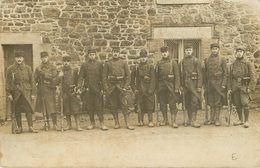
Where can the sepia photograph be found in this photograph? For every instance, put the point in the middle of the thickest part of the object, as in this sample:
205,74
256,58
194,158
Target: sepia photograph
129,83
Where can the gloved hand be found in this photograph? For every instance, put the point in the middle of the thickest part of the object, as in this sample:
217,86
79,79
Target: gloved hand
223,88
61,74
176,90
32,97
229,92
249,91
10,97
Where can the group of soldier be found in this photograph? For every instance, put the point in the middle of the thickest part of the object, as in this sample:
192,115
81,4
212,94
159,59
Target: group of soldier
167,79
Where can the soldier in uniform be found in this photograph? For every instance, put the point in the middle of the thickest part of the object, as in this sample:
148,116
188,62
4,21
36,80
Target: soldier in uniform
216,71
21,88
45,75
116,80
145,78
244,78
168,86
191,82
90,77
71,99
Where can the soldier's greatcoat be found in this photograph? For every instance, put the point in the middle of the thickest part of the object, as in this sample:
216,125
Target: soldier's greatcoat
71,105
216,71
49,86
90,77
239,70
145,87
24,83
116,68
191,80
164,68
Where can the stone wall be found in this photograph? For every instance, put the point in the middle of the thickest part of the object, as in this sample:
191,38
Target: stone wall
72,26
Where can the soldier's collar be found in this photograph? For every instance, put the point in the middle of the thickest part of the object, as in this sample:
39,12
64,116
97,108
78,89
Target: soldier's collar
47,65
66,67
21,66
214,55
243,60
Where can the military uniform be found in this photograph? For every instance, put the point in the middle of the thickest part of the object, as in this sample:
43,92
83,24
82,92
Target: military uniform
145,78
244,77
116,81
192,80
45,75
216,71
90,77
20,84
168,82
71,99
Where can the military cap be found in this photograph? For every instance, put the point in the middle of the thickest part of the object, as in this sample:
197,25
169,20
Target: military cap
91,51
164,49
44,53
18,54
188,46
240,48
257,54
143,53
66,58
214,45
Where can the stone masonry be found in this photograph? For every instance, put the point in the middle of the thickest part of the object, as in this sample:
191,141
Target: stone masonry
73,26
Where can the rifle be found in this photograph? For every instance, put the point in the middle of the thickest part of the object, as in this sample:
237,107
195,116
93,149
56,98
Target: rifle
183,96
61,105
207,122
46,121
13,104
230,108
157,111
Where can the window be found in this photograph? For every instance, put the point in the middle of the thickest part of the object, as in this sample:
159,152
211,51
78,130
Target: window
176,48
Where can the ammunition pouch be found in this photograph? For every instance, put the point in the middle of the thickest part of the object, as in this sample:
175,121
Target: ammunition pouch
245,81
146,79
116,79
194,75
170,78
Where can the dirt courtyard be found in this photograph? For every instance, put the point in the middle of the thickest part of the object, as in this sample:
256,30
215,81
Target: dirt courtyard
209,146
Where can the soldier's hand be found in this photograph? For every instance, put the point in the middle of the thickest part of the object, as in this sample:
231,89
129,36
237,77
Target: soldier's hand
223,88
124,88
101,92
32,97
229,92
10,97
249,91
41,73
176,90
199,90
61,74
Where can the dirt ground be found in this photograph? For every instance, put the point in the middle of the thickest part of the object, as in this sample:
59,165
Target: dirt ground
209,146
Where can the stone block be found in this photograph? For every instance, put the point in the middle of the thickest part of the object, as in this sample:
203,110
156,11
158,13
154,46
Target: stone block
51,12
25,28
115,30
20,9
74,35
126,43
97,35
123,2
18,24
63,41
114,44
6,29
75,15
62,22
230,14
73,22
138,11
139,42
123,14
245,20
100,42
86,15
92,29
111,15
43,27
87,42
3,23
45,40
113,9
151,12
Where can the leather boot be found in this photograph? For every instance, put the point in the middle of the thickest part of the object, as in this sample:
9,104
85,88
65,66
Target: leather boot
92,121
212,115
68,126
246,113
217,112
174,125
127,122
141,118
54,120
19,130
150,118
165,118
115,115
190,118
32,130
77,116
103,127
193,122
240,119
